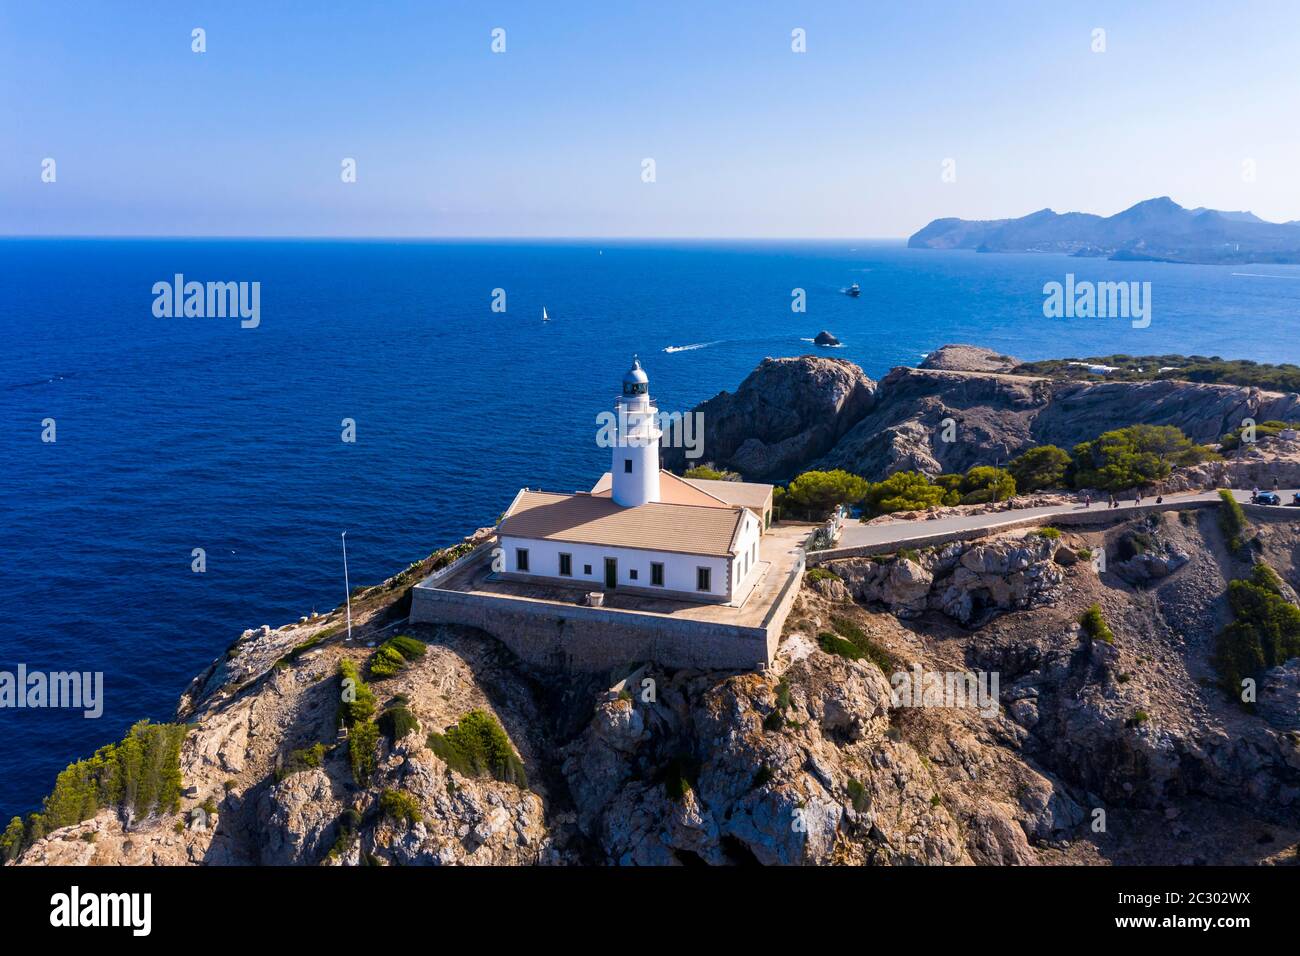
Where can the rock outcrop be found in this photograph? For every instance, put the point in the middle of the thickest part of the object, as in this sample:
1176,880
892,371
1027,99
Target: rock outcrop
968,582
787,412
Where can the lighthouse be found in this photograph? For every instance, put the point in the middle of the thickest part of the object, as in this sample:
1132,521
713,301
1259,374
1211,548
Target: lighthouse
635,469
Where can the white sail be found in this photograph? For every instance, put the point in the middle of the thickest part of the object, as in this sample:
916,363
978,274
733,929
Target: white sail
544,317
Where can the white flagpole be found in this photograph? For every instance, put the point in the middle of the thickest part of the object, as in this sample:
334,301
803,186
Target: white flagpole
347,587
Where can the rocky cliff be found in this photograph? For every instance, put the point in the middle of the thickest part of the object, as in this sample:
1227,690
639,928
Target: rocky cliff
787,412
825,413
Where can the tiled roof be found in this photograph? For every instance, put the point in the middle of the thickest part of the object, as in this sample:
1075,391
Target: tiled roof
596,519
673,490
748,494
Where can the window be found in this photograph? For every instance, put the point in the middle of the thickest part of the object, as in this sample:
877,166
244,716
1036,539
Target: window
627,466
632,573
657,574
566,565
702,576
521,559
586,569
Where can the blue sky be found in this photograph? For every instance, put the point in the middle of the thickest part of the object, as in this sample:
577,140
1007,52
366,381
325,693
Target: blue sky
547,139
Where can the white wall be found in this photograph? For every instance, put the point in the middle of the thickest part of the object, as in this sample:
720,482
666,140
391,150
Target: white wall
679,569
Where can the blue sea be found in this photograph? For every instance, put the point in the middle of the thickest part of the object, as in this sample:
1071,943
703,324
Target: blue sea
183,433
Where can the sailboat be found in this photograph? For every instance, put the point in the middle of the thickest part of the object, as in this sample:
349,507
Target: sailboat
545,317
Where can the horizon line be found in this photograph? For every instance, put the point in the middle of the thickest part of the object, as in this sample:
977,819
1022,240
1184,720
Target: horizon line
451,238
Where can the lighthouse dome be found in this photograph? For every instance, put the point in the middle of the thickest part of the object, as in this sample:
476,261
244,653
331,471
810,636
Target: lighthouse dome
635,381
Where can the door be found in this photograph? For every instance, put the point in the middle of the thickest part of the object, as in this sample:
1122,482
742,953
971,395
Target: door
611,572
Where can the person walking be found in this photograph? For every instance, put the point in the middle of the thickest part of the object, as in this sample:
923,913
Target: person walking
1087,500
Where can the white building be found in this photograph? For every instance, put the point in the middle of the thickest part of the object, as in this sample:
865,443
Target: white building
641,529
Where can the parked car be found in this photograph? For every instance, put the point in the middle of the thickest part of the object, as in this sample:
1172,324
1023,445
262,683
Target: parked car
1268,498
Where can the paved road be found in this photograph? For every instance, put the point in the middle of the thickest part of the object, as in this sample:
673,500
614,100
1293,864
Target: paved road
857,535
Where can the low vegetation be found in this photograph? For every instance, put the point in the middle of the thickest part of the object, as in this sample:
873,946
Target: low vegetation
1265,631
477,746
814,494
137,777
1189,368
1044,466
1134,456
400,806
709,473
394,654
1232,520
356,713
1095,626
300,760
1232,440
847,639
821,574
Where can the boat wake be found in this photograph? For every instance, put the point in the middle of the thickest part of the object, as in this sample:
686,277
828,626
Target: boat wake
691,348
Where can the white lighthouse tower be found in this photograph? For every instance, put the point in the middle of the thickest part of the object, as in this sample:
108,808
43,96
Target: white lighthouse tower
635,470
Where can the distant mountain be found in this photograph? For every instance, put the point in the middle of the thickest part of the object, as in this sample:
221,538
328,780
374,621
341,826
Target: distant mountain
1157,229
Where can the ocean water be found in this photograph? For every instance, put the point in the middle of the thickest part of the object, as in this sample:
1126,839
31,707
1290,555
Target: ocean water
177,433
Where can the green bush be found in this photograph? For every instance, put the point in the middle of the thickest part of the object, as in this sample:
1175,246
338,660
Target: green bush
1095,626
706,473
400,806
815,493
1043,466
300,760
363,750
903,491
361,706
478,746
1265,631
834,644
1050,533
11,843
677,780
397,722
984,483
137,777
394,654
1134,456
866,646
858,795
821,574
1232,519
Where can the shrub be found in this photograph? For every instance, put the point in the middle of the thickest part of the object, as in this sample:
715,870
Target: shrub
11,842
1265,631
385,662
984,483
1139,718
349,822
1232,519
397,722
818,492
821,574
677,782
1232,440
299,760
356,699
1085,554
1050,533
1134,456
1095,626
707,473
400,806
137,777
858,795
394,654
951,485
866,647
834,644
363,744
1044,466
477,746
903,491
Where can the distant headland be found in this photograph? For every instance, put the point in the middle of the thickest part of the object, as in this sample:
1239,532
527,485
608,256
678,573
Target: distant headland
1156,230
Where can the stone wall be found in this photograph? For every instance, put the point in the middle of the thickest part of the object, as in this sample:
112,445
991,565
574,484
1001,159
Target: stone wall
575,637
